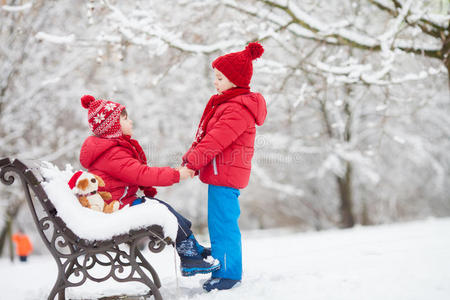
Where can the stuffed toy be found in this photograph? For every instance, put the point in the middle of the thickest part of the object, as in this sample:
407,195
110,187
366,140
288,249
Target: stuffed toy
85,186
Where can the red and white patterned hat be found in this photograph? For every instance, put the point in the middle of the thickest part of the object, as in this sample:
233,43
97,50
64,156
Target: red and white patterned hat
103,116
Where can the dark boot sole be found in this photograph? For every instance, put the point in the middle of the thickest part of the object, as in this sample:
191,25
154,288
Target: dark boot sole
194,271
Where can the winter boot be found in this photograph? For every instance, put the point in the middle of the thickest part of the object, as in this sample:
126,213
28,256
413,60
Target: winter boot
204,252
220,284
192,261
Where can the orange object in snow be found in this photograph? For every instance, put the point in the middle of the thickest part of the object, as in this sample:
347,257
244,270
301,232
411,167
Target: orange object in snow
23,244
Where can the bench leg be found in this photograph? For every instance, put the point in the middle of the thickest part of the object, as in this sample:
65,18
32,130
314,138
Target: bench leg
149,267
62,295
154,289
60,285
59,289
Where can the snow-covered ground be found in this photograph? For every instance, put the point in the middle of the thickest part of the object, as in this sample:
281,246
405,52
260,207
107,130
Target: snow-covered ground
398,262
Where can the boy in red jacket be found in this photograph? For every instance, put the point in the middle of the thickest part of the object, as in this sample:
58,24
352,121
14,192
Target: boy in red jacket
222,153
119,160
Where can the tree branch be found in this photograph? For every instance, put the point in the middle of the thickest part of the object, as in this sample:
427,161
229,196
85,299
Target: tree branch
166,37
343,37
435,32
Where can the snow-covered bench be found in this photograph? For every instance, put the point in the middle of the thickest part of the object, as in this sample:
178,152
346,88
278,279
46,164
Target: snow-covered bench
80,239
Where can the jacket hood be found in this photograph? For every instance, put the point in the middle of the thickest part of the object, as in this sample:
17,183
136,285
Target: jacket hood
256,104
94,147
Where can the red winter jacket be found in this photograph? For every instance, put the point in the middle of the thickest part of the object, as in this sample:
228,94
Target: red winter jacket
224,155
122,165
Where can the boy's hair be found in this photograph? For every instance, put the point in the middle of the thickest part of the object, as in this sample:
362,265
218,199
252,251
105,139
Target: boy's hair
124,113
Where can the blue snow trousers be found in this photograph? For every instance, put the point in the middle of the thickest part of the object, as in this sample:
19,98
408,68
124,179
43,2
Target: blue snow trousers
224,232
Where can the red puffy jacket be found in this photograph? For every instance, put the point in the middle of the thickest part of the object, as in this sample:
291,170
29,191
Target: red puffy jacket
224,155
122,165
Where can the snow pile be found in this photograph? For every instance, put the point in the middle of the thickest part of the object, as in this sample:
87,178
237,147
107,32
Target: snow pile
391,262
93,225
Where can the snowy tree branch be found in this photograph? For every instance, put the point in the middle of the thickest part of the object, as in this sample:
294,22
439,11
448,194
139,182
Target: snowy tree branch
421,22
18,8
340,36
288,189
128,28
364,73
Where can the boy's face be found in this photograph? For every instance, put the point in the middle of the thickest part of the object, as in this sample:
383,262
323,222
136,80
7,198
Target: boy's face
221,82
126,125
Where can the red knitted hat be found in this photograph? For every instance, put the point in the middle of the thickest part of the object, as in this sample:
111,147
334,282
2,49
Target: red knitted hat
237,66
103,116
74,179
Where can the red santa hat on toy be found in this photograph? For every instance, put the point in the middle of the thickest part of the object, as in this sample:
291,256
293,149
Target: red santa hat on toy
238,66
73,181
103,116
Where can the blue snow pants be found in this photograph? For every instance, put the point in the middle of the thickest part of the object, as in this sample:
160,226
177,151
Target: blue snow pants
224,232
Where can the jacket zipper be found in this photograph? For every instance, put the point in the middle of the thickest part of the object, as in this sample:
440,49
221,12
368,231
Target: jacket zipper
215,166
124,194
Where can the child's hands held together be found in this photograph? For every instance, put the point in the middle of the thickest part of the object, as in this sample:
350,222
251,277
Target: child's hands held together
185,173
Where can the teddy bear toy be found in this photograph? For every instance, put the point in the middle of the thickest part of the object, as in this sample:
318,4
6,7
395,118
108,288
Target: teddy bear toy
85,186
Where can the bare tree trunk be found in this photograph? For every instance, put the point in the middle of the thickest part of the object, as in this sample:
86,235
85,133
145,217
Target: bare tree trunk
365,219
345,183
9,230
5,233
345,192
446,53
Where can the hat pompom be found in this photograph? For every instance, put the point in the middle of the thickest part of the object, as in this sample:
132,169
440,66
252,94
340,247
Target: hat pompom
255,49
86,100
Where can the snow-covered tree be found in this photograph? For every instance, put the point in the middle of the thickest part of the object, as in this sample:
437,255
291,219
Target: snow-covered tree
357,94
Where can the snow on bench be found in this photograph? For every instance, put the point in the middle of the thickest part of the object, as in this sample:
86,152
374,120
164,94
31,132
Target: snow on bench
93,225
